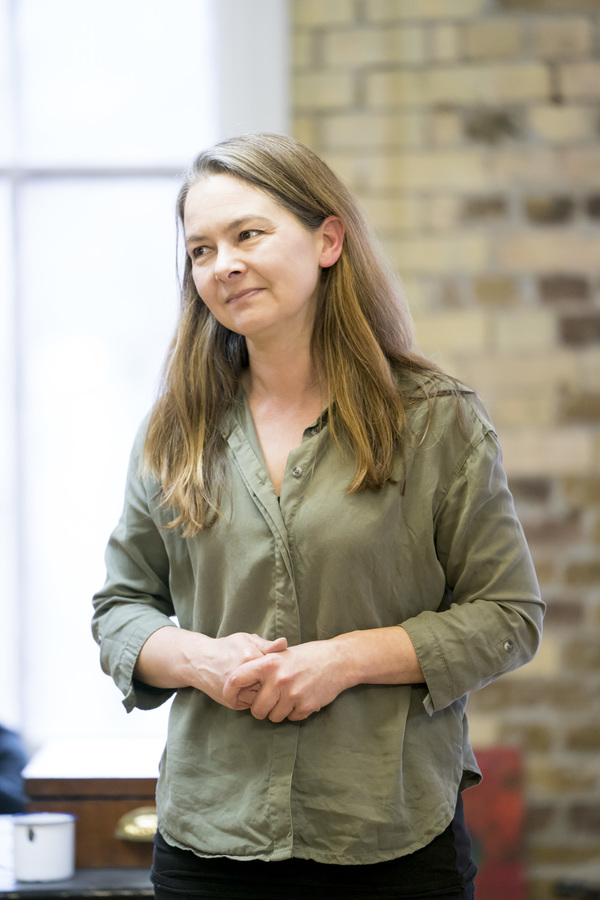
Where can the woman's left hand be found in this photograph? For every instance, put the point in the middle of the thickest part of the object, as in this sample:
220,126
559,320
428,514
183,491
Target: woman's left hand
293,683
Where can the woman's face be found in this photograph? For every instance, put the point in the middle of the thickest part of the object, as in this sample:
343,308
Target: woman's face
254,264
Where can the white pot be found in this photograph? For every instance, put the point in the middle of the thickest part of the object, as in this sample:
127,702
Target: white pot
44,846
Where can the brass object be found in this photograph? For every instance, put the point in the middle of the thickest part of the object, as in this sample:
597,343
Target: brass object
137,825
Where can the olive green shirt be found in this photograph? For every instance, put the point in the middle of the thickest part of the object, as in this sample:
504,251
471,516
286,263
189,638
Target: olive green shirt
375,774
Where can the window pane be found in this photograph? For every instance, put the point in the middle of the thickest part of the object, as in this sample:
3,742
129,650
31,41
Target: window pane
9,631
98,296
7,136
115,83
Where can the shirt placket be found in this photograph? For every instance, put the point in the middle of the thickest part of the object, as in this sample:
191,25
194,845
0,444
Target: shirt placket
298,471
284,737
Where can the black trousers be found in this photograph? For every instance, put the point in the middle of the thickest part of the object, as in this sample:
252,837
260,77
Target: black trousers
443,870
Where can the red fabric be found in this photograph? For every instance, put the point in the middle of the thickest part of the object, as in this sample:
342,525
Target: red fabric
495,814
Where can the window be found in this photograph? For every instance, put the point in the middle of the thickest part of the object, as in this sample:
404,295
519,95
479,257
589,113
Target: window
105,105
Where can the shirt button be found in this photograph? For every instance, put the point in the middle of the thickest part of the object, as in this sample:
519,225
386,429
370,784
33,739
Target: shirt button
296,471
509,646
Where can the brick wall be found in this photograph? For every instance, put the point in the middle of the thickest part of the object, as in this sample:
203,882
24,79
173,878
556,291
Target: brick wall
470,129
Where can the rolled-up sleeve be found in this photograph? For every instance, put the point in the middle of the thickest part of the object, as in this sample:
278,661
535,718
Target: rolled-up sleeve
135,600
491,622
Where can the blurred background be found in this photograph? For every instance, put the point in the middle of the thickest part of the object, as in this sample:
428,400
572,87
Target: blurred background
470,131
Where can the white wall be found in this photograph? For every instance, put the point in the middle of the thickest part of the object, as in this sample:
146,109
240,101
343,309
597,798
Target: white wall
107,103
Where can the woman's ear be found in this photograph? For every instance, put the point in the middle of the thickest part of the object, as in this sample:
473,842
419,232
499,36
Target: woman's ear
333,231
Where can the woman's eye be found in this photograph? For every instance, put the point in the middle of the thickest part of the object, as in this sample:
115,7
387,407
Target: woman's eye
249,233
197,252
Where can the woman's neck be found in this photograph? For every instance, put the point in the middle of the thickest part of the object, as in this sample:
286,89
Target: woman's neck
285,397
283,375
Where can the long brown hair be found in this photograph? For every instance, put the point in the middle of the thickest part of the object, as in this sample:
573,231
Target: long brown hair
362,339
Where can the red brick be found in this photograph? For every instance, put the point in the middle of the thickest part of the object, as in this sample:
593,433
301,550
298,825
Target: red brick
451,294
585,817
496,290
539,817
584,655
545,571
563,612
551,5
581,408
541,888
582,491
549,210
580,79
492,126
478,209
567,288
531,490
561,854
531,737
578,331
592,206
520,693
557,530
584,737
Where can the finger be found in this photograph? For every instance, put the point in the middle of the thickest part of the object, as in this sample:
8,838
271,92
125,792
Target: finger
245,675
289,710
244,698
266,646
248,695
278,645
297,715
280,712
234,688
264,703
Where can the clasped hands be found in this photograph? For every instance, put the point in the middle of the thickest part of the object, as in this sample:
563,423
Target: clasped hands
275,681
286,682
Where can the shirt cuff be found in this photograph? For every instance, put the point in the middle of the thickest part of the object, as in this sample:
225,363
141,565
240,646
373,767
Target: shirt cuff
136,694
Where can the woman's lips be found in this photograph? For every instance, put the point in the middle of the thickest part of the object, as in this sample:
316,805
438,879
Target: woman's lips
240,295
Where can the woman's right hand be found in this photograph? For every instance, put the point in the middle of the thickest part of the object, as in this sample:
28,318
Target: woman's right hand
175,658
223,656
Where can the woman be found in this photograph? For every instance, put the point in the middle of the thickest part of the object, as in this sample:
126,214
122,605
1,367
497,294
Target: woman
327,517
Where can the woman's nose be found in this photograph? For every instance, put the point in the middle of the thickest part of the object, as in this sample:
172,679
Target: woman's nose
227,262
